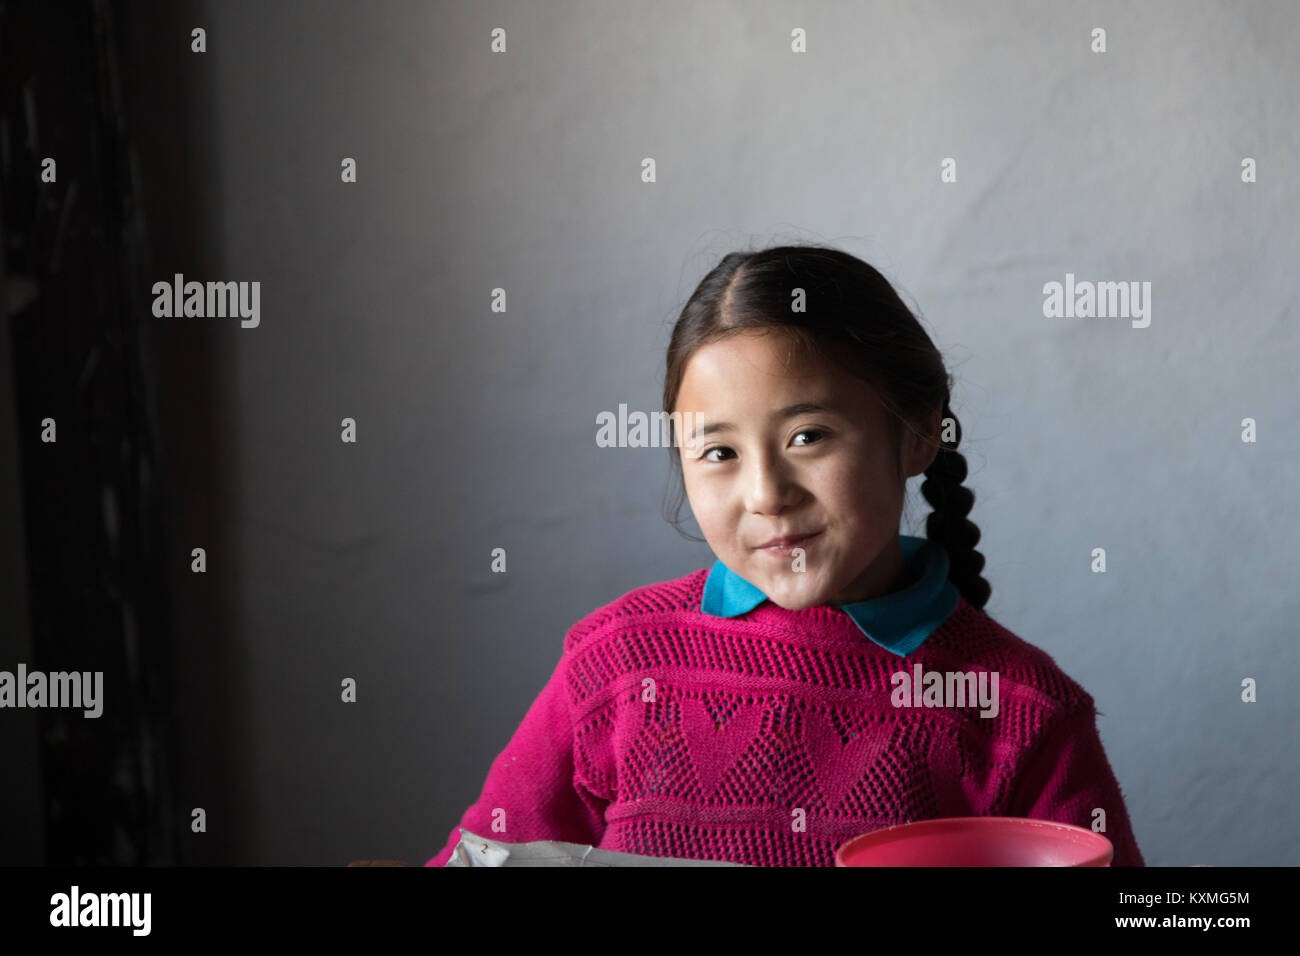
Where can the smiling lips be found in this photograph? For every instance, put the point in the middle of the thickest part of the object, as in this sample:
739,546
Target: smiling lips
785,545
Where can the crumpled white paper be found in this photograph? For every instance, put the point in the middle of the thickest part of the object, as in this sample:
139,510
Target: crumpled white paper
474,850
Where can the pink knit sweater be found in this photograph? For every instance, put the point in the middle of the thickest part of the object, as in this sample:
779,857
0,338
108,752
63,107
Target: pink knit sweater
669,732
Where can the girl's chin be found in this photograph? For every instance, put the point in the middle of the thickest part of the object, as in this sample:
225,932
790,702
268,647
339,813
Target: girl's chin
797,598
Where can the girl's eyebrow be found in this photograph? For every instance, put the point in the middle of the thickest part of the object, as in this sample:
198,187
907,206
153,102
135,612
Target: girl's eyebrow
779,415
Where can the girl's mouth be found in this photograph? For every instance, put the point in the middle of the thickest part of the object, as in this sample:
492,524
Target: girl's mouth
786,547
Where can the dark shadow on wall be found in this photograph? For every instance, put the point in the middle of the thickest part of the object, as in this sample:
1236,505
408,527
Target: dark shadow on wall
99,524
168,103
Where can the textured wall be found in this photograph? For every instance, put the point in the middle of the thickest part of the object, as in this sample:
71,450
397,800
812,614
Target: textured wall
476,428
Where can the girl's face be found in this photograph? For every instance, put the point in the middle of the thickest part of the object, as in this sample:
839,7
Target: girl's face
758,468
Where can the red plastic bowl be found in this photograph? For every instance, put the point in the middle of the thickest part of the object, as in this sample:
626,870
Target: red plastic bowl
978,841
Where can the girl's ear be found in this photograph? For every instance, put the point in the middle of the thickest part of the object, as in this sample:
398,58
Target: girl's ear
921,451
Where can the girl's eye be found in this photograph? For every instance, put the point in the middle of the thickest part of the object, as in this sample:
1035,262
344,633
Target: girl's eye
806,431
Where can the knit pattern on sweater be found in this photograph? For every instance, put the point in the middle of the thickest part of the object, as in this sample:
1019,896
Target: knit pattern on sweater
773,738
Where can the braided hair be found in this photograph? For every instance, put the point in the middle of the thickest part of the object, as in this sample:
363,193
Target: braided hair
948,525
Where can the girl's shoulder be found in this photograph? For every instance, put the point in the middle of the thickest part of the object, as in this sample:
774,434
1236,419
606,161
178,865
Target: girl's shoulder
973,638
679,595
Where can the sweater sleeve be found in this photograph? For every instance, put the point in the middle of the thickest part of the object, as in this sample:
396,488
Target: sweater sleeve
531,791
1068,776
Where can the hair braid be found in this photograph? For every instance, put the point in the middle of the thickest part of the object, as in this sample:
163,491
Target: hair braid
947,525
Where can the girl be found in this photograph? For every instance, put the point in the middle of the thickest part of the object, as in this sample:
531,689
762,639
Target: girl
827,676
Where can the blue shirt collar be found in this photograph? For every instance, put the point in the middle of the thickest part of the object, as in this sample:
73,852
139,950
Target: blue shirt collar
898,622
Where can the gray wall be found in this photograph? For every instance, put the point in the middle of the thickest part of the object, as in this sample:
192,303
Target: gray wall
476,429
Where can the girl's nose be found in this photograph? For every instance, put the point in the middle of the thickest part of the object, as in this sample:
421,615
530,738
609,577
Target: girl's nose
770,486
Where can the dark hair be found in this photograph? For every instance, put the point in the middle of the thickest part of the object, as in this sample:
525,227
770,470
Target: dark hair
852,316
